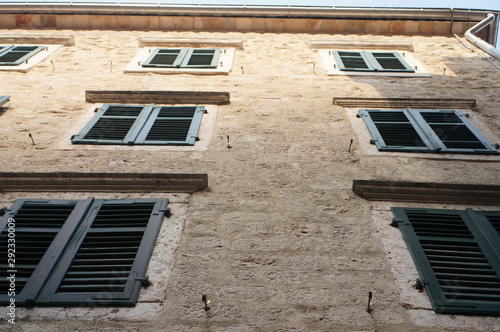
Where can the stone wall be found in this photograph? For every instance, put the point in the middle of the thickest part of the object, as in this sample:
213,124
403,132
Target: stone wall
279,242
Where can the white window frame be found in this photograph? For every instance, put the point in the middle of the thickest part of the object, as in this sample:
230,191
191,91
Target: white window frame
224,65
34,60
332,67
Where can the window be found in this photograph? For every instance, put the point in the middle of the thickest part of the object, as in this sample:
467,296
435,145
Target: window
371,61
12,55
145,125
79,252
457,256
374,62
410,130
183,58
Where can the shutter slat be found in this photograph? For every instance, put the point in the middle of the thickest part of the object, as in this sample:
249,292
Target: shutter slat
450,256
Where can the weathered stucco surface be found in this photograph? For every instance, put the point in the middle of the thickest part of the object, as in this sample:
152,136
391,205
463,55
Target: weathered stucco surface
279,242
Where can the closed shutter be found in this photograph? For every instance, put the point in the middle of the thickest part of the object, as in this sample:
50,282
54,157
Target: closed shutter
114,124
201,58
452,132
442,131
99,258
395,130
138,124
172,125
15,55
371,61
389,61
183,58
165,58
37,224
458,265
351,61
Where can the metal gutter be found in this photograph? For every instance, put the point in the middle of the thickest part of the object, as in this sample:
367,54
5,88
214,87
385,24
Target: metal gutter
323,12
380,13
469,34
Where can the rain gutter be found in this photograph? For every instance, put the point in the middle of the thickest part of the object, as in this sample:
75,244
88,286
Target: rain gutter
469,34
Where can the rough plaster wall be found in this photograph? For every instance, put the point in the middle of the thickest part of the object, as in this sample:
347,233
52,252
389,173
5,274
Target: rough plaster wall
279,242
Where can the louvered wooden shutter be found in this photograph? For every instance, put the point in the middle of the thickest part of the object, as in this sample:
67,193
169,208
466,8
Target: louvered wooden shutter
389,62
444,131
147,125
114,124
201,58
172,125
37,225
458,265
15,55
165,58
99,257
452,132
394,130
351,61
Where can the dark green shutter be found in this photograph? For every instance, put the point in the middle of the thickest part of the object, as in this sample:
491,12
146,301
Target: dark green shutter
458,265
371,61
15,55
452,132
165,58
394,130
183,58
351,61
201,58
138,124
172,125
99,257
442,131
389,61
114,124
37,224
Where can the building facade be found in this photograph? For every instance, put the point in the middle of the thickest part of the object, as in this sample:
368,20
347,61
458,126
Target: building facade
285,171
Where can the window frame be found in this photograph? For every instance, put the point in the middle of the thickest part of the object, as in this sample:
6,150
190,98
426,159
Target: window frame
12,48
137,133
483,235
42,286
433,143
183,58
371,62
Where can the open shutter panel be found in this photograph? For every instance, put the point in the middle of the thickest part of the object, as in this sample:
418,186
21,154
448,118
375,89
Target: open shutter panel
454,133
389,61
107,265
16,55
454,262
40,227
172,125
393,130
201,58
165,58
114,124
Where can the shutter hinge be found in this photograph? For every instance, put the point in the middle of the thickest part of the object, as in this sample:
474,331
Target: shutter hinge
394,223
145,282
419,284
